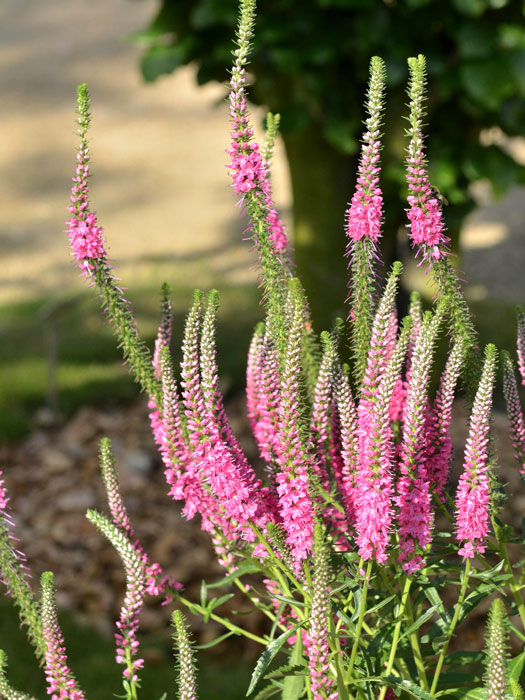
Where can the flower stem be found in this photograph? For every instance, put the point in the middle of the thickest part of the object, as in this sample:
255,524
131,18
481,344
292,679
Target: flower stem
397,633
514,587
359,622
452,627
416,650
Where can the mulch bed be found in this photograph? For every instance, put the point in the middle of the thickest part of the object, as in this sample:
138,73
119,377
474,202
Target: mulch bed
53,477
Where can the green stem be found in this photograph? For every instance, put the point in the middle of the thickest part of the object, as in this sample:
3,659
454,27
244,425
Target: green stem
223,621
359,627
416,650
397,633
132,692
514,588
452,627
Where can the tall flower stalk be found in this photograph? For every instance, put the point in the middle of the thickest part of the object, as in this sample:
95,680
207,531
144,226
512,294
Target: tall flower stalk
364,219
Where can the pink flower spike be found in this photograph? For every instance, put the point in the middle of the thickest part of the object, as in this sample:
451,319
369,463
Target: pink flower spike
318,649
473,497
516,421
85,236
427,228
128,623
521,343
415,517
365,214
439,441
292,455
60,681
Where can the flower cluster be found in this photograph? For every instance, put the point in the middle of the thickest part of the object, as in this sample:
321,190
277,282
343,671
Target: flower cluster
354,460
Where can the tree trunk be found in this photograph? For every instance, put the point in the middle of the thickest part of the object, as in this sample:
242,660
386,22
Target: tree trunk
321,187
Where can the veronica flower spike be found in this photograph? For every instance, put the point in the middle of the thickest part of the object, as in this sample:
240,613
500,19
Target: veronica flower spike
86,237
61,683
516,421
321,679
473,496
249,169
427,229
414,496
293,457
364,219
126,638
520,345
186,665
87,246
496,649
15,576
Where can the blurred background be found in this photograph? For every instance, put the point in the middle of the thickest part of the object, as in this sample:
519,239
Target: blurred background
156,72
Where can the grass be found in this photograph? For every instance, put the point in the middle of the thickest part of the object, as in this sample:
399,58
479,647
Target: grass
91,657
88,367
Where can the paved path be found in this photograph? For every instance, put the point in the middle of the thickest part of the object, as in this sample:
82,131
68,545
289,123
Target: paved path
159,186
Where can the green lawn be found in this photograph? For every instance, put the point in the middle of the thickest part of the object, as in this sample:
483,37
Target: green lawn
89,368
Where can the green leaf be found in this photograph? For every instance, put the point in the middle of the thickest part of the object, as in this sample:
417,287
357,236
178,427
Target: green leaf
267,692
286,670
161,60
216,641
248,568
487,81
294,684
474,8
397,683
425,617
268,654
515,667
488,574
470,694
217,602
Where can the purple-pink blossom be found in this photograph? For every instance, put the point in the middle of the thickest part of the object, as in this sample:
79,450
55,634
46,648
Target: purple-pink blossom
85,236
473,494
